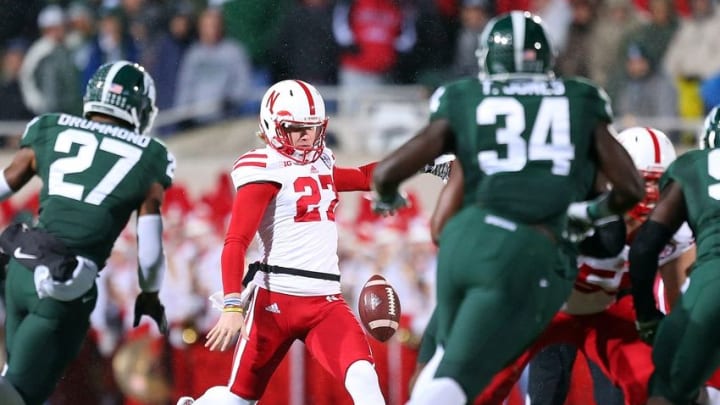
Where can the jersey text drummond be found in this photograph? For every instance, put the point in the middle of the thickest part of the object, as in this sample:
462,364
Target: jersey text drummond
105,129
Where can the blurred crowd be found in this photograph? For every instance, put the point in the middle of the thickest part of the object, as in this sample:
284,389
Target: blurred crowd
141,367
656,58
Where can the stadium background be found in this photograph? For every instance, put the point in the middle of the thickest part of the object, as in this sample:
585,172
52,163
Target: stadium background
122,365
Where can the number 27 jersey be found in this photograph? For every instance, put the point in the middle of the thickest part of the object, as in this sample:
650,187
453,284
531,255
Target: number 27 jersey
298,229
94,176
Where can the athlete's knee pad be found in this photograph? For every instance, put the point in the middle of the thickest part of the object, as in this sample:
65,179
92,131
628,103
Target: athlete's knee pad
8,394
361,382
221,395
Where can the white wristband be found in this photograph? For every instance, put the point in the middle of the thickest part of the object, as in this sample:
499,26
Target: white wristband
151,259
5,190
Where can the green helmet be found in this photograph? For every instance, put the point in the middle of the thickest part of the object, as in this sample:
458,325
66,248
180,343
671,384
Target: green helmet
711,130
123,90
515,42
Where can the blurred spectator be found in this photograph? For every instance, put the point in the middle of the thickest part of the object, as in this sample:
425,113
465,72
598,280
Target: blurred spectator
646,90
14,108
144,21
370,33
652,38
19,19
557,15
169,51
474,14
255,24
81,29
573,59
430,60
616,19
710,92
215,72
112,43
693,55
305,48
48,77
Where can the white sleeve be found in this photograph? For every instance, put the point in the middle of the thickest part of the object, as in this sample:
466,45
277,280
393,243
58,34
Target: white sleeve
151,258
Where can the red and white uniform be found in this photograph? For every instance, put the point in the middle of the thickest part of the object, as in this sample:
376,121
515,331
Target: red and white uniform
600,323
290,207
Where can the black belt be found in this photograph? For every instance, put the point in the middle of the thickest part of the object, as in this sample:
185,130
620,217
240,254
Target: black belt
257,266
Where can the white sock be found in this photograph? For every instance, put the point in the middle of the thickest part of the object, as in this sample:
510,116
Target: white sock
361,381
8,394
427,373
221,395
709,396
442,390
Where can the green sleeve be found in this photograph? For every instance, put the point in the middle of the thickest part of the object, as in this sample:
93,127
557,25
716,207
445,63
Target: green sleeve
439,104
165,167
32,133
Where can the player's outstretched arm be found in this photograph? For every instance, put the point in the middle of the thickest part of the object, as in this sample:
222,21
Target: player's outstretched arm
669,213
18,172
449,201
432,141
617,166
151,258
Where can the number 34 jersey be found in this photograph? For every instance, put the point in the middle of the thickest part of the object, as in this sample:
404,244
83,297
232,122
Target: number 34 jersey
524,143
94,176
298,229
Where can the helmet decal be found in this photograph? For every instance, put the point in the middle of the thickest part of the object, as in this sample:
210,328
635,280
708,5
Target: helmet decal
656,144
311,102
651,152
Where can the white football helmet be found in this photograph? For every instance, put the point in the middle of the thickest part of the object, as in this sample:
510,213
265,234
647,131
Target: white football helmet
652,152
293,103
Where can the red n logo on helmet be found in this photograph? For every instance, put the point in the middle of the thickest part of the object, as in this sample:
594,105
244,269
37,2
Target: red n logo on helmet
271,101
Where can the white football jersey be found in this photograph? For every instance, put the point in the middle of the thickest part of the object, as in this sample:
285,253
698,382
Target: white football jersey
298,229
599,280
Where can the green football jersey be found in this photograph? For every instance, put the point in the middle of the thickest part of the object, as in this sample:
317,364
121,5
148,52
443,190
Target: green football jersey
698,173
94,176
524,144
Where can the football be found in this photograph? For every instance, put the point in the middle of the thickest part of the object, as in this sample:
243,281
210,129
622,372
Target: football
379,308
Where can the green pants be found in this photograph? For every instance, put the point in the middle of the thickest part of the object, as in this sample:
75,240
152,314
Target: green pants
42,335
686,351
499,285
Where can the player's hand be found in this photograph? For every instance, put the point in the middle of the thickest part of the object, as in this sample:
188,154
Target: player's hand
222,336
647,327
581,222
148,303
385,206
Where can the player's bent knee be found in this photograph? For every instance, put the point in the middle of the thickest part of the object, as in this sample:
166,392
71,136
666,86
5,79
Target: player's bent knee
221,395
8,394
361,382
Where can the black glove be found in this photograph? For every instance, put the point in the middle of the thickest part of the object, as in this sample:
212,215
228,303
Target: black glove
647,327
148,303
